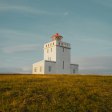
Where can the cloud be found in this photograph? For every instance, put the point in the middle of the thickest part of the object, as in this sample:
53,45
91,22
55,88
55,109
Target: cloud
25,69
98,64
20,48
10,39
66,13
16,33
105,3
25,9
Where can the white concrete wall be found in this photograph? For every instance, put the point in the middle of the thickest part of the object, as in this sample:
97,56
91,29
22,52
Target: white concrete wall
50,51
52,65
73,68
54,56
38,68
53,51
42,67
63,56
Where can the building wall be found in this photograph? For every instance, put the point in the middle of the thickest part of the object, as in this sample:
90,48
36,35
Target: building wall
57,58
63,58
39,68
50,51
50,67
44,67
73,68
59,52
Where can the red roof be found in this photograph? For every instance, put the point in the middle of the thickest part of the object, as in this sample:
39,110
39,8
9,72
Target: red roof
56,36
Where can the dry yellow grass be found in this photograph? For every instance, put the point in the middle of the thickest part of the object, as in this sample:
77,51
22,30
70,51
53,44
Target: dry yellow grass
55,93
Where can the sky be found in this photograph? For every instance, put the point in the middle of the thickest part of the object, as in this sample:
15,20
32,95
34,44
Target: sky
25,25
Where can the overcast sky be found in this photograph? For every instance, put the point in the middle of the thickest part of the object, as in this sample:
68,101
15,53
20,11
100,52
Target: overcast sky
25,25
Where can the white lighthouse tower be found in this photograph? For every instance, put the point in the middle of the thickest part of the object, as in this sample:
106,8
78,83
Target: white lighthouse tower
56,58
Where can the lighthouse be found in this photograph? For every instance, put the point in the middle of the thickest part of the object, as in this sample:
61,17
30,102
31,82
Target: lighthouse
57,58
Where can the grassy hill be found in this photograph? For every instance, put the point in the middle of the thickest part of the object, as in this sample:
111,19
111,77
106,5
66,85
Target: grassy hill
55,93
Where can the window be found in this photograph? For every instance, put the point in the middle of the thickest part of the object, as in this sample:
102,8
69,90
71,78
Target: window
47,50
63,64
63,49
40,69
73,70
49,68
35,69
49,58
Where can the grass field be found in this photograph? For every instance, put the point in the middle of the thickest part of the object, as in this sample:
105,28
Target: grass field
55,93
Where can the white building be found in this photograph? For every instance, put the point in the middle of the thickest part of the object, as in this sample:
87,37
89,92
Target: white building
57,58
